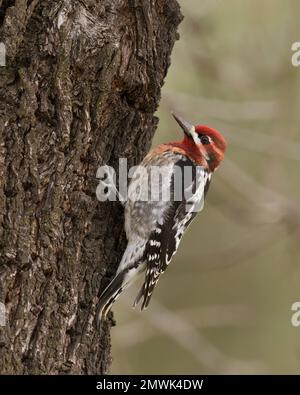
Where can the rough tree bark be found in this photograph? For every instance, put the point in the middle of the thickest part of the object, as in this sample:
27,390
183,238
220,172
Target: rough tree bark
80,87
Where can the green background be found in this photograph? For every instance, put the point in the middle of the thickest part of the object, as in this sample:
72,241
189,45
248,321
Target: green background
224,305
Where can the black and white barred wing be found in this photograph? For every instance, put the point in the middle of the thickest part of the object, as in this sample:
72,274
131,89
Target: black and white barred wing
165,237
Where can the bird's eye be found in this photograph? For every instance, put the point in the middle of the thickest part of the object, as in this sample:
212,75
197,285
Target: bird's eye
205,139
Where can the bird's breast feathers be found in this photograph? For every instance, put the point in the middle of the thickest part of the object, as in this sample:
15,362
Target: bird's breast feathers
159,190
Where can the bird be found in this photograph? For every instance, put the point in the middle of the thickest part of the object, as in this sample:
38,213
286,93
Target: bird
155,224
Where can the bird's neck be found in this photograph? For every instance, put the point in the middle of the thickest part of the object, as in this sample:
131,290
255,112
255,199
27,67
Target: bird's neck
186,148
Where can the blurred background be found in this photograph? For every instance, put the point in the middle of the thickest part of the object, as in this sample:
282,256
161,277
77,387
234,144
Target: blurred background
224,305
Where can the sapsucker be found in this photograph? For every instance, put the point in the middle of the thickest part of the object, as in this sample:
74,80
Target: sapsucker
165,194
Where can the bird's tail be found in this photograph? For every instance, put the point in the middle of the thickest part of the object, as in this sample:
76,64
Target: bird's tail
109,296
114,289
130,266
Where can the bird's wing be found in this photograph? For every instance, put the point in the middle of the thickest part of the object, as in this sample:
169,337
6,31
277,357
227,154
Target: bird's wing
165,237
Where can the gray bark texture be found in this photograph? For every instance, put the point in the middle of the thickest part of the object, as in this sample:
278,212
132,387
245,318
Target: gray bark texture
81,83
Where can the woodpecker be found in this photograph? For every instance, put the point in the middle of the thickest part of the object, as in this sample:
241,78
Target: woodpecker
154,226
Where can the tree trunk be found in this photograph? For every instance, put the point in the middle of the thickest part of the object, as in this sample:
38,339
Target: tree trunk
81,83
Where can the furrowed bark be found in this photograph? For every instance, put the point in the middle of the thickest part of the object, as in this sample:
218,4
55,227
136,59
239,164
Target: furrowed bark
79,89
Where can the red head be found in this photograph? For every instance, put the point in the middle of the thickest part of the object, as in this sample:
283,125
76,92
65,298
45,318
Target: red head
204,144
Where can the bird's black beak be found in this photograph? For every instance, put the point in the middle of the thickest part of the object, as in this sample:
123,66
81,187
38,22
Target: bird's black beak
185,125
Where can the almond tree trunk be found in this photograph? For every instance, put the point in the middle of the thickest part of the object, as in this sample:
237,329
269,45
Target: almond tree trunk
79,89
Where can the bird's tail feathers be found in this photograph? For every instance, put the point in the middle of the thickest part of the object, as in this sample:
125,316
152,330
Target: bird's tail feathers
108,297
130,266
114,289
